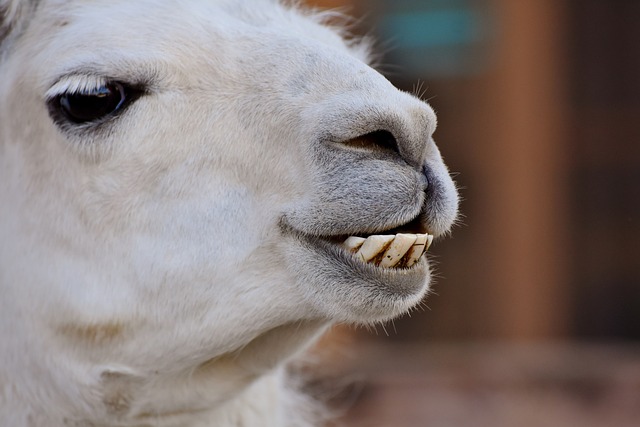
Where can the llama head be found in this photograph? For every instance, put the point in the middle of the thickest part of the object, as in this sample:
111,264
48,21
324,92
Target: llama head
176,180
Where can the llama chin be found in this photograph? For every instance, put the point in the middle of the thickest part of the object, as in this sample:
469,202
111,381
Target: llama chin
179,180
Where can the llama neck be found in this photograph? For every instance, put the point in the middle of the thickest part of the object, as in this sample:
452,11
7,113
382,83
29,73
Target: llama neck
248,388
270,402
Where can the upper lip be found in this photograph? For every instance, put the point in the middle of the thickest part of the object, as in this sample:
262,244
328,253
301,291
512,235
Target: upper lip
414,226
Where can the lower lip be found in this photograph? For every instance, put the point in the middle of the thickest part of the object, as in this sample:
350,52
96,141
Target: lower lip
347,289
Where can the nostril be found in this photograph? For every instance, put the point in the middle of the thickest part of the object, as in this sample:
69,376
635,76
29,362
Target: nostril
377,141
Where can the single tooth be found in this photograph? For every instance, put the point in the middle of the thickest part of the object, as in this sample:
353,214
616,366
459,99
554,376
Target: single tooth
396,250
353,243
415,252
373,245
429,241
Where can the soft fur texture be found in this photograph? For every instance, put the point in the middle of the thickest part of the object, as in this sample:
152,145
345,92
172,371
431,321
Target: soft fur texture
161,267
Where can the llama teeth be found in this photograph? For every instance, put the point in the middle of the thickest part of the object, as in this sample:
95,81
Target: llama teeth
353,243
419,247
400,250
397,249
374,245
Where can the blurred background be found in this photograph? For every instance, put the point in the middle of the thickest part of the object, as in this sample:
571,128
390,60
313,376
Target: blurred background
535,316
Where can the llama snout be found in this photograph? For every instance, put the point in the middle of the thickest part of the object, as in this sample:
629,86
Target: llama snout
390,129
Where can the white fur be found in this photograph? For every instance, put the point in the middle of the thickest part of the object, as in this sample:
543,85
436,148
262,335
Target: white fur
161,268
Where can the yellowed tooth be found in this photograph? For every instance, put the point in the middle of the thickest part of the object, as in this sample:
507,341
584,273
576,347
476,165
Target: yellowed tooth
396,250
353,243
415,252
373,245
429,241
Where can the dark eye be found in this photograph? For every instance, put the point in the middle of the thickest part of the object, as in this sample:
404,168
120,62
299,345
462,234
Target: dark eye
93,105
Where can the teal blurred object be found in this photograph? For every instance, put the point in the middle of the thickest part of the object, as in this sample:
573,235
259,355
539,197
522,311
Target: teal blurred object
437,38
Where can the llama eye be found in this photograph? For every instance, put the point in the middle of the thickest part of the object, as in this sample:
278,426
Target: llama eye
93,105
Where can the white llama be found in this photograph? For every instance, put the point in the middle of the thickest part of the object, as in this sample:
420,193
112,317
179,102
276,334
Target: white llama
177,182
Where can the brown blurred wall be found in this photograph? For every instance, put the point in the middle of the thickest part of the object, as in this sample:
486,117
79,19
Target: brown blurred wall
521,162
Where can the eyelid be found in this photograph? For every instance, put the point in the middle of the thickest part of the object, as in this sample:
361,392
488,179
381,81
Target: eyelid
75,84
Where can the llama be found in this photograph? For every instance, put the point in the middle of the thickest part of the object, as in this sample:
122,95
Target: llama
191,192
